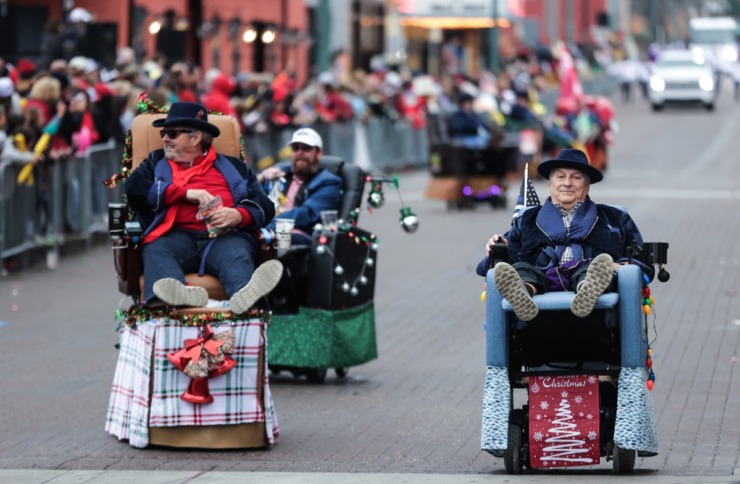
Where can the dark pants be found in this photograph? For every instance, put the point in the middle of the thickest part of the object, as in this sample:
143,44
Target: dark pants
534,276
230,257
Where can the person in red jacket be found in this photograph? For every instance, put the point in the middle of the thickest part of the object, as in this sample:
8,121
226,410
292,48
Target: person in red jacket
219,97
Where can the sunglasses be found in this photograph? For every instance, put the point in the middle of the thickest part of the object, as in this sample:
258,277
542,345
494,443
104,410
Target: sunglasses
174,133
296,147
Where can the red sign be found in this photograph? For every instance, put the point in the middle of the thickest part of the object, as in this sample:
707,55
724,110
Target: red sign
563,421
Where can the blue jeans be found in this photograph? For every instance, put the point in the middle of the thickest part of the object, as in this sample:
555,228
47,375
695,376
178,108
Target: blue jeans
230,258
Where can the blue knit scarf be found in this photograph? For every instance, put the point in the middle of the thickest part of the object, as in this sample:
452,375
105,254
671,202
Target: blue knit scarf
550,221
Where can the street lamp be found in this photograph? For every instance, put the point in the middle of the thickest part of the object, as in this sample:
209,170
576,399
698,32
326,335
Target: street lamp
250,34
269,34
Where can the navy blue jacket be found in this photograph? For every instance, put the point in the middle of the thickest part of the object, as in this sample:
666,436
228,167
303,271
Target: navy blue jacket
613,232
323,192
145,188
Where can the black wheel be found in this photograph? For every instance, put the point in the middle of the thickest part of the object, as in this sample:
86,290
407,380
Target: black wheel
623,460
709,107
275,370
341,372
514,454
316,375
657,107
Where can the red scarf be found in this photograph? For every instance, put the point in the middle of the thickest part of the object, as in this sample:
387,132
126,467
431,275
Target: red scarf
180,178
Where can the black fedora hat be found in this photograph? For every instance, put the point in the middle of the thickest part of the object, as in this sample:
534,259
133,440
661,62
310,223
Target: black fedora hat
570,158
190,115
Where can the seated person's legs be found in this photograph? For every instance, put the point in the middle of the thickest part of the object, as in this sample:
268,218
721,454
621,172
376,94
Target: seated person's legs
232,258
166,260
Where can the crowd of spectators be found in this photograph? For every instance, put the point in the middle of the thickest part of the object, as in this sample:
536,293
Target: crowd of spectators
78,103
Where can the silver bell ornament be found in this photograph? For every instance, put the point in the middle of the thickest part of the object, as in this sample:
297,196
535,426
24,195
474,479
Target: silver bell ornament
363,280
354,291
321,249
345,287
375,198
409,220
339,270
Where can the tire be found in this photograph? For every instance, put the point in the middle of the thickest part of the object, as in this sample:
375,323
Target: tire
316,375
514,455
341,372
657,107
623,460
709,107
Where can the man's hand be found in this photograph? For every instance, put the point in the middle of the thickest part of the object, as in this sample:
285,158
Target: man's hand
198,197
495,239
225,218
270,174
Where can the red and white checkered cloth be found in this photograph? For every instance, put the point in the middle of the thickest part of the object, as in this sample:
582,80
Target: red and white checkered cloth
235,395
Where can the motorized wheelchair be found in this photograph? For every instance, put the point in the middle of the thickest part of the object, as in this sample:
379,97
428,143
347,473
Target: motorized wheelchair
607,352
147,404
464,175
323,315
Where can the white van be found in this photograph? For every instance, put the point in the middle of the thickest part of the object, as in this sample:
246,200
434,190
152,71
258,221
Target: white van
714,37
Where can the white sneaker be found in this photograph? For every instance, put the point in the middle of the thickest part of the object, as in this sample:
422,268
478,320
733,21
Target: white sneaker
264,280
175,293
598,277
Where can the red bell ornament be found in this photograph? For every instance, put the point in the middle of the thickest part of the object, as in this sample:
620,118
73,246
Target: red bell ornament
197,392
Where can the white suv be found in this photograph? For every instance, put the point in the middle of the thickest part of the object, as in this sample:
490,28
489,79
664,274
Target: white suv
681,76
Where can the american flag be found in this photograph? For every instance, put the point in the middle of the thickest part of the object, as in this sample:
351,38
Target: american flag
527,195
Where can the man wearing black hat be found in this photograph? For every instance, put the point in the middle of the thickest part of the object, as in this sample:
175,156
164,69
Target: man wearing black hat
167,190
569,243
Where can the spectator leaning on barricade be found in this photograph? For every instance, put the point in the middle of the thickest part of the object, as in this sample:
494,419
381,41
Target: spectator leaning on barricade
168,189
305,190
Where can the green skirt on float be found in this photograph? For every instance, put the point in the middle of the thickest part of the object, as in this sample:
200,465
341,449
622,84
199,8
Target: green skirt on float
319,338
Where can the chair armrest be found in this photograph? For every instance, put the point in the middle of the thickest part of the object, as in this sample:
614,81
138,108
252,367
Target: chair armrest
632,340
497,338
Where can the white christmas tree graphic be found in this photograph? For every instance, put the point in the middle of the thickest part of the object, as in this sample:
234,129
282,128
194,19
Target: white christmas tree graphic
565,444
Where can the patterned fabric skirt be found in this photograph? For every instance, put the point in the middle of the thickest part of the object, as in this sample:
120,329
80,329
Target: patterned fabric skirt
143,364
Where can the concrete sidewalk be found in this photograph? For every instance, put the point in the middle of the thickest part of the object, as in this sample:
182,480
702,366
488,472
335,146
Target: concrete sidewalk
156,477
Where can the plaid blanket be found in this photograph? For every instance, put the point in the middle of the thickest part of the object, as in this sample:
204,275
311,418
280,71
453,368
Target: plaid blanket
130,410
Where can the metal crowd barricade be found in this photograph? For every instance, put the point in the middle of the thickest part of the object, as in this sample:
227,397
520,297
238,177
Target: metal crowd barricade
85,197
30,215
101,161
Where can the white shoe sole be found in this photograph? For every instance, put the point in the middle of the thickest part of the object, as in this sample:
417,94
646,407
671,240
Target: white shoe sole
598,277
264,280
175,293
511,286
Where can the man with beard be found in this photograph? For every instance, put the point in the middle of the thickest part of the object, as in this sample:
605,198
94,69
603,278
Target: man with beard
305,190
167,190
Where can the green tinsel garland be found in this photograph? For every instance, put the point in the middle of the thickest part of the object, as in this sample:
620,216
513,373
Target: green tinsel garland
132,316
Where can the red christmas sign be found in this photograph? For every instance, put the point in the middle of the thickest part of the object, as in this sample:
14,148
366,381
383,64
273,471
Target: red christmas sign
563,421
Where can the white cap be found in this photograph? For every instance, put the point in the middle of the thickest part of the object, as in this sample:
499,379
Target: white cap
79,14
78,63
326,78
307,136
7,88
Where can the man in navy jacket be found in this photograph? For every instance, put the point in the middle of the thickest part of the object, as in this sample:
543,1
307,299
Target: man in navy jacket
168,189
569,243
